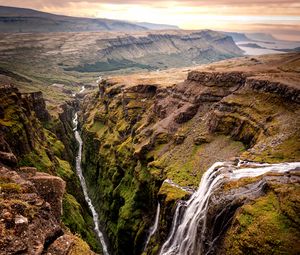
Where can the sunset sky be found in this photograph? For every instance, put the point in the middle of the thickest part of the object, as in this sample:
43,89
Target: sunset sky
279,17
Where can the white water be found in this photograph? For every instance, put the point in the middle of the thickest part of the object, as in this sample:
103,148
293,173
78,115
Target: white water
184,237
82,89
84,187
153,229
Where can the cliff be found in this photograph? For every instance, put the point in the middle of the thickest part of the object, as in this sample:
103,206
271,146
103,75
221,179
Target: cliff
41,198
159,50
139,130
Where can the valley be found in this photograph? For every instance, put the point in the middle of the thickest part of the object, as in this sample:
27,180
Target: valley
118,139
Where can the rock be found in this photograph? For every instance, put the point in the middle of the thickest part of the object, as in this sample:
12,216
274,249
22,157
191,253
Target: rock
179,139
200,140
61,246
28,171
161,138
279,88
50,188
8,158
219,79
36,102
186,113
21,224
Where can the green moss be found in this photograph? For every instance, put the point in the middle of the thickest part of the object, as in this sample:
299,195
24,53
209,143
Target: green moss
288,150
97,127
171,193
263,228
64,169
56,145
73,219
39,159
10,188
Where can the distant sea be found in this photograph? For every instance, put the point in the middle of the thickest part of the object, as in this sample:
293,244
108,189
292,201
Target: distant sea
267,47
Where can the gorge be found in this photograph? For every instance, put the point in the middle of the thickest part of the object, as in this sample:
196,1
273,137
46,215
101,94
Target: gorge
140,144
84,187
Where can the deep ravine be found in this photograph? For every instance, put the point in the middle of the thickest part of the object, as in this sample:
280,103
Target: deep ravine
188,232
84,187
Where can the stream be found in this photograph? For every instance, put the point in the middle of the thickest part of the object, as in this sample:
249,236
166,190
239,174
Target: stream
84,187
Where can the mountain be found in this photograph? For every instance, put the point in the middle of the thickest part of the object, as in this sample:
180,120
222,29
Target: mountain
152,26
74,58
237,37
261,37
14,20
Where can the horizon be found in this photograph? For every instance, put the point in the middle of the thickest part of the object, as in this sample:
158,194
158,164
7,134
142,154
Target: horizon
280,19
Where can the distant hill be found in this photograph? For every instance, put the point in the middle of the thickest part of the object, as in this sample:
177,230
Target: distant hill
156,26
237,37
240,37
261,37
14,20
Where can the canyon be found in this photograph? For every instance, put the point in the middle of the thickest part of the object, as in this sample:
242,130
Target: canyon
141,144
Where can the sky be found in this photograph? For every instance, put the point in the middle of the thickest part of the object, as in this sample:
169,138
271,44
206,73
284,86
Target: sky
278,17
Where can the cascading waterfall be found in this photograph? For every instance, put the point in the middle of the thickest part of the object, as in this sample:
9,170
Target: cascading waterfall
84,187
187,235
153,229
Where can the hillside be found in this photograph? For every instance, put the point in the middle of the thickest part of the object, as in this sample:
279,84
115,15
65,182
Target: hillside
20,20
149,138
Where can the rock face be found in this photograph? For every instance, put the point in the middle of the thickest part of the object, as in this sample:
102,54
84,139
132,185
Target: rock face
30,214
34,206
137,132
26,213
36,102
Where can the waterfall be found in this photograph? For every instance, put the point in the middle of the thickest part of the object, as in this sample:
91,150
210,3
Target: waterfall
187,234
84,187
154,227
82,89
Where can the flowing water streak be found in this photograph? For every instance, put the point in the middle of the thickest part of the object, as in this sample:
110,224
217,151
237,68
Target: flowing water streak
155,225
84,187
82,89
184,235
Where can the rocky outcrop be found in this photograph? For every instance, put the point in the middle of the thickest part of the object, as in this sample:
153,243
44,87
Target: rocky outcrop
25,213
288,92
36,102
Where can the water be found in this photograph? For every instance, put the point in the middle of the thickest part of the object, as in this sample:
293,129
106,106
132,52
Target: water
82,89
84,187
189,221
267,47
153,229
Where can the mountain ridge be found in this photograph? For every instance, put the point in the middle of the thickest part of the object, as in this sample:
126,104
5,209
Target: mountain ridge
14,19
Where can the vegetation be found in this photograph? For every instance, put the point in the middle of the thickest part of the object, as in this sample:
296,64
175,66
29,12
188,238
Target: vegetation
268,225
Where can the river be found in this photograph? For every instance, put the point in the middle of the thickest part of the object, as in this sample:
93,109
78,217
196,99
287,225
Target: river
84,187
